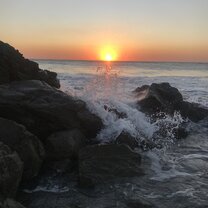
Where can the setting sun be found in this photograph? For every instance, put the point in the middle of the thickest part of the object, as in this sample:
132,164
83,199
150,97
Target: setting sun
108,57
108,54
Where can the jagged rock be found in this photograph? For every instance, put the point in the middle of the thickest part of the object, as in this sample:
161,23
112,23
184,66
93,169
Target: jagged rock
44,110
10,203
127,139
158,97
99,163
64,144
164,98
28,146
11,168
14,67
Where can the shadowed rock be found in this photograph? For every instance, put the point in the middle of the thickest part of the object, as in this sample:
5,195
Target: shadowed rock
99,163
64,144
27,145
44,110
10,171
14,67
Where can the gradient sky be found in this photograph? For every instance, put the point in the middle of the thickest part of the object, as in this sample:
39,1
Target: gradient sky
145,30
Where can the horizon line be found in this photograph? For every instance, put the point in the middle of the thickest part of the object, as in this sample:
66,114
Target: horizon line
87,60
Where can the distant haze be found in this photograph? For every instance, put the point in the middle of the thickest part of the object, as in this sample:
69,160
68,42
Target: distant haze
143,30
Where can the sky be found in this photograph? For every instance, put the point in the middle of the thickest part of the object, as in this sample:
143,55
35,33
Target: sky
138,30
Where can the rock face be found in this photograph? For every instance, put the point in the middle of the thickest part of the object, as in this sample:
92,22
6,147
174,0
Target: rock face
164,98
44,110
28,146
98,163
14,67
64,144
10,171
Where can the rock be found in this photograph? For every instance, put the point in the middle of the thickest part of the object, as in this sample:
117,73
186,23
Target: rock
99,163
14,67
11,168
64,144
44,110
10,203
127,139
28,146
158,97
164,98
193,111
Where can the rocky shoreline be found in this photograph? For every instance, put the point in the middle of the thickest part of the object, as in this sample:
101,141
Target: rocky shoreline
43,129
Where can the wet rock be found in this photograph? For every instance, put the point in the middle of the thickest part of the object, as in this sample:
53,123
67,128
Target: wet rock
162,97
115,111
44,110
14,67
127,139
10,203
28,146
99,163
193,111
158,97
180,133
64,144
11,168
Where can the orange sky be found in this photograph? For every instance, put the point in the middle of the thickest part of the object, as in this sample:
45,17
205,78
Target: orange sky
143,30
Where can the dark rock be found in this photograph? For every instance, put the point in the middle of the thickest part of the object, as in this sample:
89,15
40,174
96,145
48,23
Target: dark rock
14,67
158,97
180,133
99,163
44,110
11,168
10,203
64,144
27,145
115,111
193,111
162,97
127,139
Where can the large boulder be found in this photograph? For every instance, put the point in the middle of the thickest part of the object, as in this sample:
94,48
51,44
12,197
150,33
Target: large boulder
100,163
13,67
11,168
164,98
28,146
44,110
64,144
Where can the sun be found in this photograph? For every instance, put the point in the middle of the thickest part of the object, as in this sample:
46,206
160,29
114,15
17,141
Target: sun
108,57
108,54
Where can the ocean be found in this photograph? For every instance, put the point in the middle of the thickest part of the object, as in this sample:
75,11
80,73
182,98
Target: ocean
175,175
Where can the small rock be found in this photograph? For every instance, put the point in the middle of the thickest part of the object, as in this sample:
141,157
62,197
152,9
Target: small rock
126,138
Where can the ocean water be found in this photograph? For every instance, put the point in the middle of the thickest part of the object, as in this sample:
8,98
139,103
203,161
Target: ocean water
177,174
